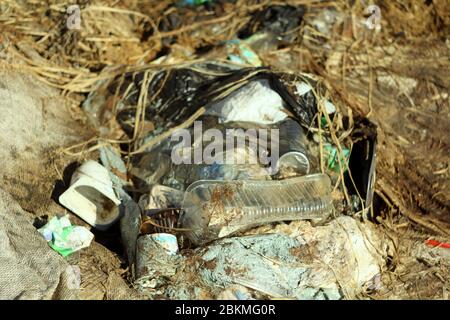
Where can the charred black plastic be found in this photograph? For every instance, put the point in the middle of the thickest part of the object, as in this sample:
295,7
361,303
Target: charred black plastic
362,161
181,92
174,90
276,19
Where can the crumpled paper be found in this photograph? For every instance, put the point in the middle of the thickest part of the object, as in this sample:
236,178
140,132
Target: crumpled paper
65,238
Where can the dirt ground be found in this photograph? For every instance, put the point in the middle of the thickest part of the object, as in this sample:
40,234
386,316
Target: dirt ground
396,76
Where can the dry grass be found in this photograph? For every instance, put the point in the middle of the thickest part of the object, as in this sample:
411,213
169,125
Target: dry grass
397,76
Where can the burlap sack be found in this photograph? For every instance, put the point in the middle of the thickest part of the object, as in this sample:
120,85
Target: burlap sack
29,268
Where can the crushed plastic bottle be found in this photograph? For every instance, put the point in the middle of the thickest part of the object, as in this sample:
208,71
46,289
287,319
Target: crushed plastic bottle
215,209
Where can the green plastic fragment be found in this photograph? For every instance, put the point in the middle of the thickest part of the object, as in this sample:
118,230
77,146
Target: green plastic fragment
249,55
334,162
323,122
65,238
244,53
195,2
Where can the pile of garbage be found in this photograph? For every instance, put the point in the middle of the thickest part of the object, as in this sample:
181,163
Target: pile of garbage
221,177
215,165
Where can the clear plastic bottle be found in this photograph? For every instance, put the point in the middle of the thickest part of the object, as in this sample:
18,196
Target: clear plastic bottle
215,209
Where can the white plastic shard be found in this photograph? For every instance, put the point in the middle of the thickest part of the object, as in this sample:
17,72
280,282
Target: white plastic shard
303,88
255,102
91,196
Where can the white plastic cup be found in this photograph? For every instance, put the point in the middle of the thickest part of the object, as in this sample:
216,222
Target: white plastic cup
91,196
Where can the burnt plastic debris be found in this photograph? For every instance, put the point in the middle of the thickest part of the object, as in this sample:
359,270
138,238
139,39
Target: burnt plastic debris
222,96
361,176
176,94
276,19
175,89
